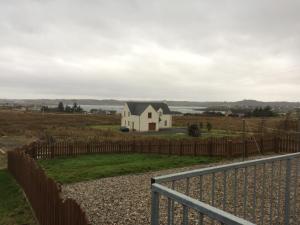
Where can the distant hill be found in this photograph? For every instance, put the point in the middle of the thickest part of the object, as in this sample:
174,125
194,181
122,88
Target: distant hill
248,104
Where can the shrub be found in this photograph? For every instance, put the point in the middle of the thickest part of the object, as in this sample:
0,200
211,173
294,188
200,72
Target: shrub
208,126
193,130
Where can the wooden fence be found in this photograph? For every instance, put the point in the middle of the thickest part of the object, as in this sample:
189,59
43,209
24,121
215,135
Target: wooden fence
43,193
211,147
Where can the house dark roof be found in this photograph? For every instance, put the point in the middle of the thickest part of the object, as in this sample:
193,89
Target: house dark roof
137,108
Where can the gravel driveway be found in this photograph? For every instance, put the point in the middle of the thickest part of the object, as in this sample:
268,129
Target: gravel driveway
126,199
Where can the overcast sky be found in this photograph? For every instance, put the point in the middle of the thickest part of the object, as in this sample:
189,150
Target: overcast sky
177,50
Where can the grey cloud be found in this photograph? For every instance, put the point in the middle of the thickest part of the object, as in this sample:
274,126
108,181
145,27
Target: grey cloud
196,50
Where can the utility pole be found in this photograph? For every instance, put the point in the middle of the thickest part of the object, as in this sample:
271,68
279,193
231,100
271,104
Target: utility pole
262,136
298,134
262,125
244,139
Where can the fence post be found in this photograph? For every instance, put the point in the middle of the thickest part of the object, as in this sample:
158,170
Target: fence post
159,145
287,192
276,148
262,145
154,208
195,148
149,146
210,147
181,147
244,139
170,147
133,146
246,148
34,155
229,148
51,150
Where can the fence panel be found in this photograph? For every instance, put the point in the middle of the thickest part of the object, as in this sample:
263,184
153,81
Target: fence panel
209,147
42,192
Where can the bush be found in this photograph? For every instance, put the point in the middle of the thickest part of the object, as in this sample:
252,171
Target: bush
208,126
194,131
124,129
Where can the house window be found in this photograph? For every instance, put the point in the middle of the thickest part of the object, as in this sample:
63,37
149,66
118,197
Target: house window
128,123
166,123
128,114
124,113
160,113
149,115
125,122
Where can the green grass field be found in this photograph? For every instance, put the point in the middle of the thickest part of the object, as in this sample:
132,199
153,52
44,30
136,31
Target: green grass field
89,167
14,209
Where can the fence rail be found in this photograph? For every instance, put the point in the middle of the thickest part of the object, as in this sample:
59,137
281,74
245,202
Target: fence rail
209,147
43,193
262,191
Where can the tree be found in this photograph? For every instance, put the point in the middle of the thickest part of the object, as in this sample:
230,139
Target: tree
76,108
60,107
208,126
44,109
68,109
263,112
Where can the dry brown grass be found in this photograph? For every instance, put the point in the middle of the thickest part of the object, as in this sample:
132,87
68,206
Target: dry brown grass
228,123
42,126
38,124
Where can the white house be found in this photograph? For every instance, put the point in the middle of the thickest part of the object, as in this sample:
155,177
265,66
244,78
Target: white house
146,116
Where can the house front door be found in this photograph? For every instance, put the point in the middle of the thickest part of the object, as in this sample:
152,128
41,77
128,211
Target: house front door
152,126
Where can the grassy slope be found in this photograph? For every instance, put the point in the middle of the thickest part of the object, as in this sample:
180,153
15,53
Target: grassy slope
87,167
14,209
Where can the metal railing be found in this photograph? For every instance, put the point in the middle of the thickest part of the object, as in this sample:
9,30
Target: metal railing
261,191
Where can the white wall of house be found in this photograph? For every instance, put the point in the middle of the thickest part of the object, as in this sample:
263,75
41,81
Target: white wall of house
141,123
124,120
128,120
144,120
165,120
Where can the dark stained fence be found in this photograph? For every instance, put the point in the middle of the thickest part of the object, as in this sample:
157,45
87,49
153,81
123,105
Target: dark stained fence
42,192
208,147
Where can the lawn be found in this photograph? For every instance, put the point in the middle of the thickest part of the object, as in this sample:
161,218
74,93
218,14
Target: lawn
14,209
89,167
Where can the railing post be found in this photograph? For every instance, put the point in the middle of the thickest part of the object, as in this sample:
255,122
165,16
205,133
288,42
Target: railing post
287,192
185,216
154,208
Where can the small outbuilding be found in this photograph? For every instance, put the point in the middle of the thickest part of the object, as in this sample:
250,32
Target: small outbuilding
146,116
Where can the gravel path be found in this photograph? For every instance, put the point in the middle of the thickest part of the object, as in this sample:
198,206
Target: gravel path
126,199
